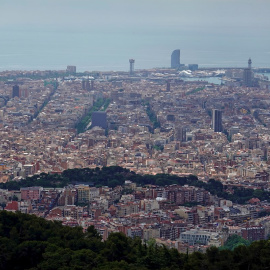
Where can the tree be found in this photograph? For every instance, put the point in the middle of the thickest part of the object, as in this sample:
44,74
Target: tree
116,247
92,233
234,241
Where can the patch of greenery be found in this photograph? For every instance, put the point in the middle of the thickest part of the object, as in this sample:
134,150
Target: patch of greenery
194,91
99,104
151,114
29,242
235,241
115,176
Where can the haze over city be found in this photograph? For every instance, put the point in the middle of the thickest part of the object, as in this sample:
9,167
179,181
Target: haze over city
102,35
143,124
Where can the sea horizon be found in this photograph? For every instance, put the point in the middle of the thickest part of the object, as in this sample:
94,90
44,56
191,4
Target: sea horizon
103,51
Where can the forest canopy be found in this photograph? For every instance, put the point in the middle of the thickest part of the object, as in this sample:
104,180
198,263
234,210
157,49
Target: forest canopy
30,242
114,176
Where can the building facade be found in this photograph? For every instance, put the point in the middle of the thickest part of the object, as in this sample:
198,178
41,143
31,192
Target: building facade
217,120
175,59
99,119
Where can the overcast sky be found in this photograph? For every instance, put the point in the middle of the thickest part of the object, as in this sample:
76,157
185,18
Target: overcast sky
230,16
107,32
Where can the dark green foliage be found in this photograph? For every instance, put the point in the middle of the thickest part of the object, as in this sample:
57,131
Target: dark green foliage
115,175
53,83
194,91
100,104
234,241
257,117
151,114
29,242
44,180
106,104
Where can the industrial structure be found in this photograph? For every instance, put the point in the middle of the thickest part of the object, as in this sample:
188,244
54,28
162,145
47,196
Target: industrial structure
131,66
248,75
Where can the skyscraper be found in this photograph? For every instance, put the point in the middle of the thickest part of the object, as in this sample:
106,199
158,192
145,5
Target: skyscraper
168,86
175,59
83,84
15,91
180,134
217,120
87,85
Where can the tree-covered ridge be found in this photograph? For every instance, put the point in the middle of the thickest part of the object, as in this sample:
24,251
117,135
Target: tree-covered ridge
29,242
115,175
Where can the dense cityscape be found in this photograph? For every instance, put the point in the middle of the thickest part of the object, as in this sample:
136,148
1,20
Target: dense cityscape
166,122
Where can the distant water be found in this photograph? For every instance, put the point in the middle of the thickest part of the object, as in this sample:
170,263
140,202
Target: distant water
265,74
215,80
90,50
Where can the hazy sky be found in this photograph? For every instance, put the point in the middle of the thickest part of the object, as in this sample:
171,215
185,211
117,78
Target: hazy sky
57,32
229,16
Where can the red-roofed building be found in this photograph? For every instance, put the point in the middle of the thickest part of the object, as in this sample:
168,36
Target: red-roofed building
254,201
12,206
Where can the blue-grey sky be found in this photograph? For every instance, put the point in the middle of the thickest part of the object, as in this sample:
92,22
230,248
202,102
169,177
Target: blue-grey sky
105,33
114,15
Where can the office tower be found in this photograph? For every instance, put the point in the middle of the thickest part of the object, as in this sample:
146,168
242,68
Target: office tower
87,85
23,93
168,88
193,67
131,66
217,120
83,84
248,75
15,91
1,117
71,69
180,134
175,59
99,119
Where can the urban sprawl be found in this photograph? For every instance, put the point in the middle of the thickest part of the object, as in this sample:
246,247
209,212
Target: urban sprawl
151,122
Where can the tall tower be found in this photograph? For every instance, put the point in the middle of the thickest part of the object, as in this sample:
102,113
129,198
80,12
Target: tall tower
180,134
248,75
83,84
15,91
87,85
131,66
168,86
249,63
217,120
175,59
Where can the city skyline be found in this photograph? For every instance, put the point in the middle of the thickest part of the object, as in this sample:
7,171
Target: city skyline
171,151
103,35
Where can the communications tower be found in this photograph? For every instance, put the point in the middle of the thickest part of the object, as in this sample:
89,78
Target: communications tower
131,66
